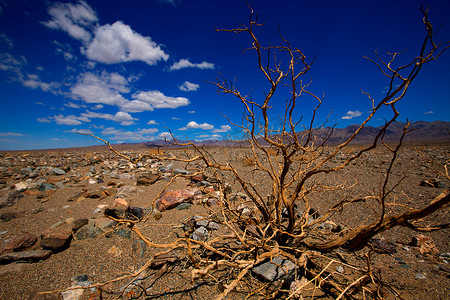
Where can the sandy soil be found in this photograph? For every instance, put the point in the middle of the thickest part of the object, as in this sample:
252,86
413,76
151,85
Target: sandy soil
412,274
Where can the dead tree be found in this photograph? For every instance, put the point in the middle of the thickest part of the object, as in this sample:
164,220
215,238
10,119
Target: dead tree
292,156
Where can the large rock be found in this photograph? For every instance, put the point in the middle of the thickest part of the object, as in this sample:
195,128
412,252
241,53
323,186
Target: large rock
30,255
170,199
19,242
56,238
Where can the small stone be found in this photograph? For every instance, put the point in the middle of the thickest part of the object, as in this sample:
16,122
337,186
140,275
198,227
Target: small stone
46,187
181,171
134,213
6,217
157,216
200,234
30,255
56,238
115,251
21,186
120,204
58,171
340,269
77,224
420,276
273,270
127,191
425,243
88,232
183,206
213,226
160,260
147,179
138,248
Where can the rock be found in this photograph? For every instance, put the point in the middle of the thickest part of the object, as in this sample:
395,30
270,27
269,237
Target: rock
58,171
425,243
198,178
46,187
21,186
382,246
125,233
8,216
420,276
297,286
56,238
147,179
30,255
9,198
134,213
114,213
160,260
181,171
77,224
273,270
340,269
19,242
170,199
88,232
138,248
105,223
200,234
120,204
127,191
115,251
182,206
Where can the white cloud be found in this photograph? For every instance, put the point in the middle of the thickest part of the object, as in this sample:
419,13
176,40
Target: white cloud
175,118
98,106
195,125
155,100
185,63
189,86
72,105
104,89
39,103
34,82
138,135
76,19
191,112
164,135
11,134
119,43
429,112
136,106
152,122
82,131
5,41
44,120
223,128
351,114
123,118
67,120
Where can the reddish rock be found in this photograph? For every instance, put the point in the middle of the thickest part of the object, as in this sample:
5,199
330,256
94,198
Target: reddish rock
30,255
198,178
19,242
56,238
170,199
120,204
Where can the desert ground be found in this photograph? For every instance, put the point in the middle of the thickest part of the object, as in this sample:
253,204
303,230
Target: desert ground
45,194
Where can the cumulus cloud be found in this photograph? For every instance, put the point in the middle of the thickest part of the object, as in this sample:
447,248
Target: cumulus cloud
189,86
105,88
351,114
148,101
119,43
77,20
123,118
67,120
44,120
123,135
223,128
195,125
185,63
152,122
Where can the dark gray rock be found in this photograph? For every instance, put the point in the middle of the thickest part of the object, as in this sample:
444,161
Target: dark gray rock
184,206
46,187
58,171
88,232
9,198
273,270
125,233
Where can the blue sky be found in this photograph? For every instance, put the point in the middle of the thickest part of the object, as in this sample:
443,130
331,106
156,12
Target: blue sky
128,71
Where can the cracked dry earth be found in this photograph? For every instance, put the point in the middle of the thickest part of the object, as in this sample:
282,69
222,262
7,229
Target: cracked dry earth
43,191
